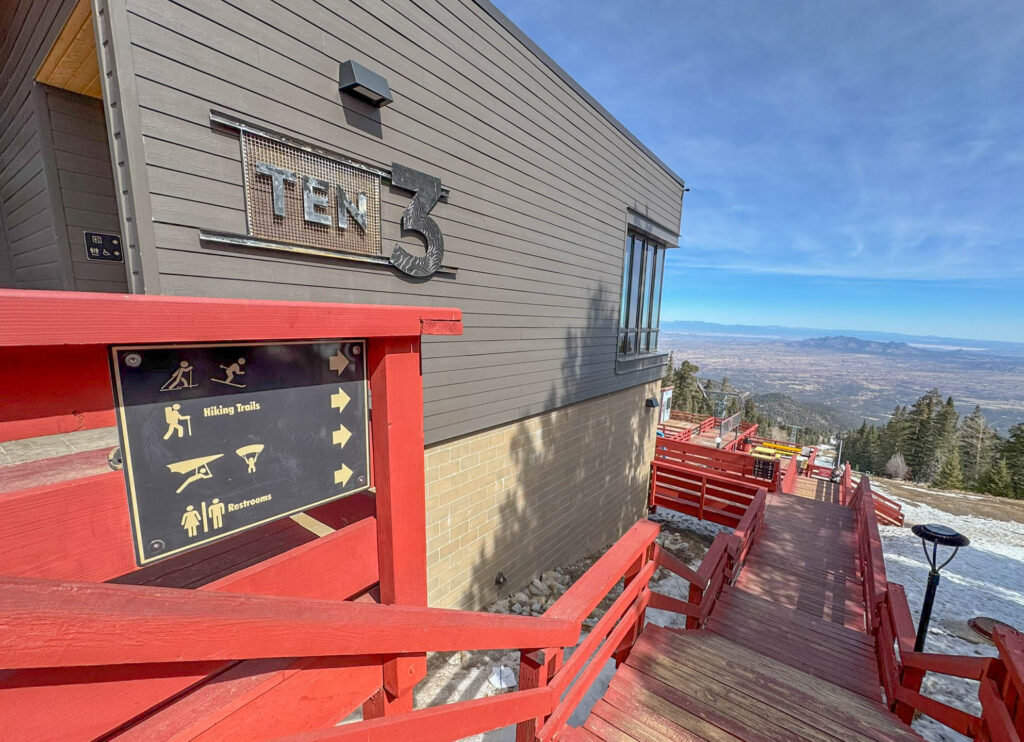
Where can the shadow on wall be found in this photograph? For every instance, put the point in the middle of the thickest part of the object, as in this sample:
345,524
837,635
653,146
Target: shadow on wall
579,474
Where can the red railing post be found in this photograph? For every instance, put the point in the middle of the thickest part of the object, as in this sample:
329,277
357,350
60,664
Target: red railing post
533,673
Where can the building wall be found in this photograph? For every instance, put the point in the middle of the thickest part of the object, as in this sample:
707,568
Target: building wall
536,494
35,257
539,183
84,184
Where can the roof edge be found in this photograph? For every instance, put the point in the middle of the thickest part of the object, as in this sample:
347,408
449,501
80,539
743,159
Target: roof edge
526,41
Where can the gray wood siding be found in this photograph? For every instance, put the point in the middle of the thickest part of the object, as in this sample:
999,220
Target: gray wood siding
539,180
87,197
31,240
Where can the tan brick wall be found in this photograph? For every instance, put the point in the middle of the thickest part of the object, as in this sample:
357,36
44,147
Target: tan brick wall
536,494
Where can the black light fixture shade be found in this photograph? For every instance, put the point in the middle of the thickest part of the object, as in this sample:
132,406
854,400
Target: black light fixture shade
651,402
355,79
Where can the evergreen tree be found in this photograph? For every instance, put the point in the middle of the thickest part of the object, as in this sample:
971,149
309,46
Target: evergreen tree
978,442
944,440
996,481
1013,453
950,475
922,453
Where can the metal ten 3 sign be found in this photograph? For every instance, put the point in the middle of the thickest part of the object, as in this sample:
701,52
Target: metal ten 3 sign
221,438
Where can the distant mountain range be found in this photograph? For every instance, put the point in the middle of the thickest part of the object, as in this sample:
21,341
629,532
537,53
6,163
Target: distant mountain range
779,332
846,344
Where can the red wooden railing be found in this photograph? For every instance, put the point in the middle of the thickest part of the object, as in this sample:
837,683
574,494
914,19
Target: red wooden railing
788,484
889,512
701,493
721,463
719,567
902,670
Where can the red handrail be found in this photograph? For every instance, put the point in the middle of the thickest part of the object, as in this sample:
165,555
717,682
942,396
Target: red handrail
901,669
719,567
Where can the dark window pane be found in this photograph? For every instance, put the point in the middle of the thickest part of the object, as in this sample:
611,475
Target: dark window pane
655,316
635,273
645,286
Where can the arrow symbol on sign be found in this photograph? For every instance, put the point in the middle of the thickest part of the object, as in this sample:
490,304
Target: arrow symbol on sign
342,475
340,400
341,435
339,362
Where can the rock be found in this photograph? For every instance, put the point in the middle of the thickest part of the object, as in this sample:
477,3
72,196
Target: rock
517,608
537,588
520,597
537,607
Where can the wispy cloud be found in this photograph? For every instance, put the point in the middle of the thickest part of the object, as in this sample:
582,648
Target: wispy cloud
854,139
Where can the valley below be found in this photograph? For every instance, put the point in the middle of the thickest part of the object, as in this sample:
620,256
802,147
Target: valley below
859,380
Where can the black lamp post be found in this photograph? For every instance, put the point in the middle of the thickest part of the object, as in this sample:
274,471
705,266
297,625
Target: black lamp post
936,536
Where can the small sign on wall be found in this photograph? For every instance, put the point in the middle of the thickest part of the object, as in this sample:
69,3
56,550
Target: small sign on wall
102,246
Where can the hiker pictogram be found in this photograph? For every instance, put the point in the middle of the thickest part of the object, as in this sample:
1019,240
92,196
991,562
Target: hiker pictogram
180,379
230,372
174,419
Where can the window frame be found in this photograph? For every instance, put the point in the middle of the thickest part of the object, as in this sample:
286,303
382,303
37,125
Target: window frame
640,312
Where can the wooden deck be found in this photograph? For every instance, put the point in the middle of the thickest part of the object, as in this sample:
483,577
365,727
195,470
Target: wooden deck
817,489
784,655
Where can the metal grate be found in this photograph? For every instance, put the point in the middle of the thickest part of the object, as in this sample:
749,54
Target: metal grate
293,227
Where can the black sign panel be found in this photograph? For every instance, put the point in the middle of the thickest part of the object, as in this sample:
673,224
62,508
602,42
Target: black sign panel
764,469
99,246
221,438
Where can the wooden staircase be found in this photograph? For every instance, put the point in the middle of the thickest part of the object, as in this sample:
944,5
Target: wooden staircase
785,653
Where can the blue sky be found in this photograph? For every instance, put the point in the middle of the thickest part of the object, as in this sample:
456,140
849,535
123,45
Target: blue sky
852,164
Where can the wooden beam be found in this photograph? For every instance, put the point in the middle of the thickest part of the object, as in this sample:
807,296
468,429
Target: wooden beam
124,624
31,318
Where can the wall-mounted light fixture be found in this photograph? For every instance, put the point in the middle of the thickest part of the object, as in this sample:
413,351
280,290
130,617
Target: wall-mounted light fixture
652,402
355,79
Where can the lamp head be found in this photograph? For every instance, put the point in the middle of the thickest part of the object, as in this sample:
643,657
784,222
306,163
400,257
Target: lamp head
937,535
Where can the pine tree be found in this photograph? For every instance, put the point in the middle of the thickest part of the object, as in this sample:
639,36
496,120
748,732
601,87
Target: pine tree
944,440
950,476
922,453
996,481
1013,453
686,395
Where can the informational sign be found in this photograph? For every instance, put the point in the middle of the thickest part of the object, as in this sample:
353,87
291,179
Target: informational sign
764,469
217,439
100,246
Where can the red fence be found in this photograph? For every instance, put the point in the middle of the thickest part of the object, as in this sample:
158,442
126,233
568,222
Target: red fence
250,637
902,670
888,511
720,566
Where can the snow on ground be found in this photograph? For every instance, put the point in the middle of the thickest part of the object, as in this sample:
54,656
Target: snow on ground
985,579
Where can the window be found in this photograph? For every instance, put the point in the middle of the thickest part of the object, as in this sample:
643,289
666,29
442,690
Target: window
641,295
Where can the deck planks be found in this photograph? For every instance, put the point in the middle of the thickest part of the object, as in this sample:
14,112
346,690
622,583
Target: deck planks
785,654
